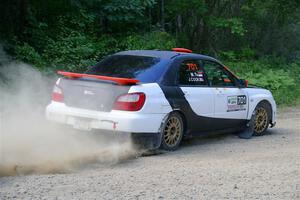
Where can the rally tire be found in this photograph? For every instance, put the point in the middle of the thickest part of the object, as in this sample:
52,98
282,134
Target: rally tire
172,132
262,118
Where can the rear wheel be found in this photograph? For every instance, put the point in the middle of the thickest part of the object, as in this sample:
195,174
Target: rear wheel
172,132
262,118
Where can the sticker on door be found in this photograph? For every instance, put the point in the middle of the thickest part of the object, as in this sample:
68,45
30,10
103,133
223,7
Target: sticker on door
236,103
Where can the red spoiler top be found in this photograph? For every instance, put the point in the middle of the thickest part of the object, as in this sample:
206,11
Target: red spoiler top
120,81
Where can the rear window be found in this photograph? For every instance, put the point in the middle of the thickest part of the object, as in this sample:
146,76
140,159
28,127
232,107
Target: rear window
145,69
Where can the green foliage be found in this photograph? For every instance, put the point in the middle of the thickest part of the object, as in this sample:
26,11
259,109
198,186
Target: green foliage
74,51
244,53
235,25
280,82
187,7
260,38
126,10
28,54
154,40
282,79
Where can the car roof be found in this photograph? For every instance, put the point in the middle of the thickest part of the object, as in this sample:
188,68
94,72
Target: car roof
165,54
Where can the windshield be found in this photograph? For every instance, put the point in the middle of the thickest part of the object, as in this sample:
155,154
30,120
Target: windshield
144,68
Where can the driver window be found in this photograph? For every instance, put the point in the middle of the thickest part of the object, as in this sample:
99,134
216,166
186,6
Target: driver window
217,76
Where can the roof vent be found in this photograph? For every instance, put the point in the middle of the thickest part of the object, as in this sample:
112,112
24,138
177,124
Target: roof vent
182,50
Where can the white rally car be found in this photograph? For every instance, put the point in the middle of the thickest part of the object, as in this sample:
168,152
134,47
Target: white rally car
161,97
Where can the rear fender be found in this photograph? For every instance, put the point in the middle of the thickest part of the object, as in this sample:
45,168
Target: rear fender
156,102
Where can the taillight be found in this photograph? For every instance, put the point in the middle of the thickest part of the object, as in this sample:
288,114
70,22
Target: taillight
57,94
130,101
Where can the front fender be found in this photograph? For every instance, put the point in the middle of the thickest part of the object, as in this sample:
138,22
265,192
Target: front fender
258,95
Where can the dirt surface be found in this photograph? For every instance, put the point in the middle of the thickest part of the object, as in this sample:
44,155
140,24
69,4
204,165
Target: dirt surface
222,167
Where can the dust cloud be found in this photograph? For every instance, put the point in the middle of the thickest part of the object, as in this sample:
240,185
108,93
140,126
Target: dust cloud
31,144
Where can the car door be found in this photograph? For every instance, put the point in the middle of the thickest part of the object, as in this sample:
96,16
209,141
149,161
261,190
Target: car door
230,101
199,96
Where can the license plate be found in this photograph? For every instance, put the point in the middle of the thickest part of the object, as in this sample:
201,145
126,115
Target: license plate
82,124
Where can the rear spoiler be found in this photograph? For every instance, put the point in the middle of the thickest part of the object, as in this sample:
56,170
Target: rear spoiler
120,81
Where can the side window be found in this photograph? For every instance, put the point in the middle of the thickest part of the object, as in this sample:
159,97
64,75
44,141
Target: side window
217,75
191,73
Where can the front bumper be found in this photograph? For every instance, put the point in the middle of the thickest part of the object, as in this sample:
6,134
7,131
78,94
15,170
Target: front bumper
120,121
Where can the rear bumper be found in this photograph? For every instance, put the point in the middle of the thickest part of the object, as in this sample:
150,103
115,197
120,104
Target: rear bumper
120,121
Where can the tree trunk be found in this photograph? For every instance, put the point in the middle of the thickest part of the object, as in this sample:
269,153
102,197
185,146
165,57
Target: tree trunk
163,15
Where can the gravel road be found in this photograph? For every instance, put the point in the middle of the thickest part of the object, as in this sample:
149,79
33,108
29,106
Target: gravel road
222,167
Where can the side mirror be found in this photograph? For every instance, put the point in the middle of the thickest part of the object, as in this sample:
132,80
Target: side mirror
243,83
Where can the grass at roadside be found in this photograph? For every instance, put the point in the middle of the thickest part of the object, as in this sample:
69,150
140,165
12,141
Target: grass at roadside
281,78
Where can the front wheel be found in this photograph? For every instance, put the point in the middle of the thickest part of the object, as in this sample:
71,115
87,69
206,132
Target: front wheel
262,118
172,132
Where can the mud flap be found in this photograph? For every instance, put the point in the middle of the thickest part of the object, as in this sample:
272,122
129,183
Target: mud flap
146,141
149,141
248,132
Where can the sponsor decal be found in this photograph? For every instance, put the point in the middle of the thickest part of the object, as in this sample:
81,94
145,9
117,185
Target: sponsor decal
194,73
236,103
192,66
196,76
195,79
